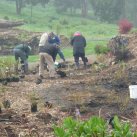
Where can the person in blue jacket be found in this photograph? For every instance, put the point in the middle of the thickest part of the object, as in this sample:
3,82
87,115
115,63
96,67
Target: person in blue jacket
54,39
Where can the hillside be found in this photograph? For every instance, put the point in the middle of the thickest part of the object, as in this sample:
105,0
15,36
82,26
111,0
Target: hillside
47,19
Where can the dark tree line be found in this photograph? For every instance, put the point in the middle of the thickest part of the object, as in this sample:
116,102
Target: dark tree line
113,10
22,3
105,10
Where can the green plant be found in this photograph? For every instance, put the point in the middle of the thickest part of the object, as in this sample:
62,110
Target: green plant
121,129
64,22
101,49
94,127
6,67
121,73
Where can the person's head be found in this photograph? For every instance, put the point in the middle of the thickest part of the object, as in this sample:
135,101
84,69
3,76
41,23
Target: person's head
51,35
77,33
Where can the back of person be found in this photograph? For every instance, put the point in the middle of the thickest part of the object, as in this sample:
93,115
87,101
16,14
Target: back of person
78,43
50,49
43,39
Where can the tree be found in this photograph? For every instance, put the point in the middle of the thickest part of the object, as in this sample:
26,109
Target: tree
19,6
108,10
84,8
71,5
21,3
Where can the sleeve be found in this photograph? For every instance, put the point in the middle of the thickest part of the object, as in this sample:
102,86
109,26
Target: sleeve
85,43
71,41
57,40
27,51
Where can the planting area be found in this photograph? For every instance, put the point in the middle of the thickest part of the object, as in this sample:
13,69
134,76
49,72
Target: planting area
102,90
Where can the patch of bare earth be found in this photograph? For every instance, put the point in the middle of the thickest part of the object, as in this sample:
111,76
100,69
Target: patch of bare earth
98,90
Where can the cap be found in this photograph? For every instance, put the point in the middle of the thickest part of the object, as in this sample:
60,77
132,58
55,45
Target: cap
77,33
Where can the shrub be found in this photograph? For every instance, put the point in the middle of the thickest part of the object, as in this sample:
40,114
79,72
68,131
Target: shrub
101,49
6,17
64,22
124,26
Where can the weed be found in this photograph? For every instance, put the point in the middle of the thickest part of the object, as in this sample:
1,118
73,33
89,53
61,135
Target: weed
101,49
121,73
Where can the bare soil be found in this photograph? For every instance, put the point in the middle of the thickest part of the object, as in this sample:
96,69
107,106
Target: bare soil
101,89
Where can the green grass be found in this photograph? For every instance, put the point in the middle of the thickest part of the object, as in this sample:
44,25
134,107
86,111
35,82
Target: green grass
68,52
47,19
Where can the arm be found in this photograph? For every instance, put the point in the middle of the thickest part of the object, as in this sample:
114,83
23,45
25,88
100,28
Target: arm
57,40
27,50
71,41
85,43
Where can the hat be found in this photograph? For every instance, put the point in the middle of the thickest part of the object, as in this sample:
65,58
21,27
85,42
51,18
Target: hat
51,34
77,33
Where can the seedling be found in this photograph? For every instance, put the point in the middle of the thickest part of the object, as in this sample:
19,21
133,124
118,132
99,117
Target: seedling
33,99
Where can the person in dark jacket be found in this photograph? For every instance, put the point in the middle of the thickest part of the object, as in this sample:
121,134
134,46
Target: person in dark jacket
47,54
78,42
21,52
54,40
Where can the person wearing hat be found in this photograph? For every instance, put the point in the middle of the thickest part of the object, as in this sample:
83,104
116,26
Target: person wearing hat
21,53
78,43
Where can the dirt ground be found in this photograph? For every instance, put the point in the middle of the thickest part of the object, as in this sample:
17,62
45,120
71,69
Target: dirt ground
101,89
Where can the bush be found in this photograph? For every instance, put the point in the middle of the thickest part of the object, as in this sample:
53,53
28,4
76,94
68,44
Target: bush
101,49
64,22
6,17
124,26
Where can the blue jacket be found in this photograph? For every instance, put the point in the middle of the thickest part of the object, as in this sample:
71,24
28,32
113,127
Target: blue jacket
54,40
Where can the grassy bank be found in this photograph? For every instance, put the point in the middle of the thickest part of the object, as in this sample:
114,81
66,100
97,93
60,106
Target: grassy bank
47,19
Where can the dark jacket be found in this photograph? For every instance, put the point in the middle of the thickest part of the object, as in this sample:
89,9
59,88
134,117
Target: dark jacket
24,48
50,49
54,40
79,44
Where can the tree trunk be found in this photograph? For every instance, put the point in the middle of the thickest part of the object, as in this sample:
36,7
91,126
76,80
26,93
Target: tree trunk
18,6
84,8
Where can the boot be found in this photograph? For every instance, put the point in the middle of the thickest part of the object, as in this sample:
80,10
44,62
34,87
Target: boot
77,65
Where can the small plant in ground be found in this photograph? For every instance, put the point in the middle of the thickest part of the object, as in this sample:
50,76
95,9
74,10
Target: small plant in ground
124,26
121,73
33,100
